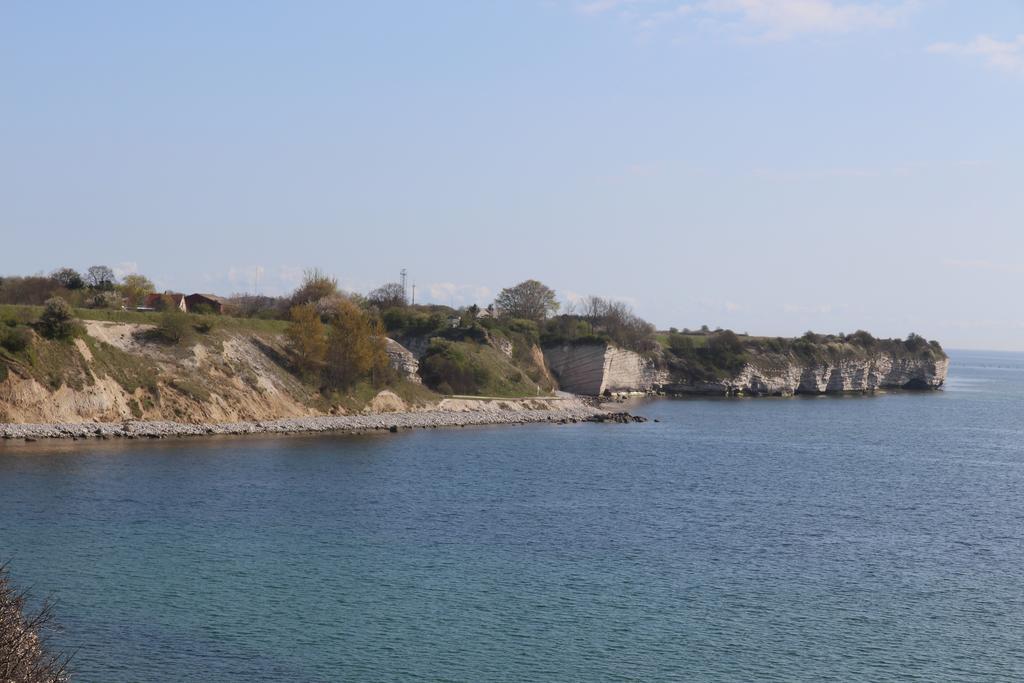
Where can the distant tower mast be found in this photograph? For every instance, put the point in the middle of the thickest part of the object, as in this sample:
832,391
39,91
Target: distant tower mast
413,302
404,290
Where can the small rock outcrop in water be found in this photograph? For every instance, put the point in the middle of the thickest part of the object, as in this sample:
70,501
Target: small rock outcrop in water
619,418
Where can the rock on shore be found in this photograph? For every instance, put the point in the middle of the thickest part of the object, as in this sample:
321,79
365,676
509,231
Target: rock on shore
574,412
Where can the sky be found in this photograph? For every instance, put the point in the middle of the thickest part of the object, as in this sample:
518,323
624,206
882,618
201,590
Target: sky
769,166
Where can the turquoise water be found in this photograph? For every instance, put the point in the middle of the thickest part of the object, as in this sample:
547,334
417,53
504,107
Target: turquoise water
873,538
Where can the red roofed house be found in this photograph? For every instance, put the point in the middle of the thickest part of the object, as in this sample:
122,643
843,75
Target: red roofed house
204,303
158,302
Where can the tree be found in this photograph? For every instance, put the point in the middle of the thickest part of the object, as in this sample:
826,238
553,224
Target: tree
617,320
57,320
24,656
531,300
390,295
32,290
135,287
100,277
315,285
355,347
307,337
69,278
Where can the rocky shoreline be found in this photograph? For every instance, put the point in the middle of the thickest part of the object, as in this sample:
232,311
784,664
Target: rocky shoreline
348,423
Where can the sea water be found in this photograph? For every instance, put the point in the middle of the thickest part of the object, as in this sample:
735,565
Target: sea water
856,538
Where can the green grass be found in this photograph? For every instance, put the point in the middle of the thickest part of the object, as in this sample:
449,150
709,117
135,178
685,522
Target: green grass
131,371
412,393
697,339
31,313
51,363
475,369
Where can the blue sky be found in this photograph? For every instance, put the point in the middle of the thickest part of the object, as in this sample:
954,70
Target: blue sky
768,166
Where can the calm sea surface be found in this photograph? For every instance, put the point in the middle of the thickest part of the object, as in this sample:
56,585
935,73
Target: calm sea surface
842,539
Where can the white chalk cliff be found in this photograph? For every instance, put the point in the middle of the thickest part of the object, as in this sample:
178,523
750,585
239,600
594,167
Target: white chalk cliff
594,369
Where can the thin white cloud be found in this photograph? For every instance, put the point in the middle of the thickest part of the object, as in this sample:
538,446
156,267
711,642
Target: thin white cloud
983,264
1001,55
803,309
125,268
762,19
601,6
456,295
781,19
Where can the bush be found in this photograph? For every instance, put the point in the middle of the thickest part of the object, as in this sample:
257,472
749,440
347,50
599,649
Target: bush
681,345
915,343
449,366
15,339
205,326
57,320
174,326
100,298
863,339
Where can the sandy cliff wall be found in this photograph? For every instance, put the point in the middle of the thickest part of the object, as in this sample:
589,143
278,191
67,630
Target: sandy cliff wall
113,373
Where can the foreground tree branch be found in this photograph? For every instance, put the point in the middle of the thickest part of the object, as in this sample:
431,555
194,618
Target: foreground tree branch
25,655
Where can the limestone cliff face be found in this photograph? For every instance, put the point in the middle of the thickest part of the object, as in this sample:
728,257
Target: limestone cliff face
594,369
877,371
403,360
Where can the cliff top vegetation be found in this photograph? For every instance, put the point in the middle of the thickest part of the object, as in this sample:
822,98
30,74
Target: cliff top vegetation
334,339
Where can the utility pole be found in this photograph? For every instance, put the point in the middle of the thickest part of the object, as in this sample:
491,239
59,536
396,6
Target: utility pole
413,294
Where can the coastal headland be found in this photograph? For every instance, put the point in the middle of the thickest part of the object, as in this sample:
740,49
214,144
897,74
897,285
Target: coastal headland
324,360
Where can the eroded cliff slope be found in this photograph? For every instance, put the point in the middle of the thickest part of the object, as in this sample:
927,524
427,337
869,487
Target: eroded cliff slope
115,371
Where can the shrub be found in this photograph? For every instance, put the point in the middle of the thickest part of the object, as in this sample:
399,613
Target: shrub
205,326
174,325
101,298
57,320
681,345
725,351
15,339
450,366
863,339
915,343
